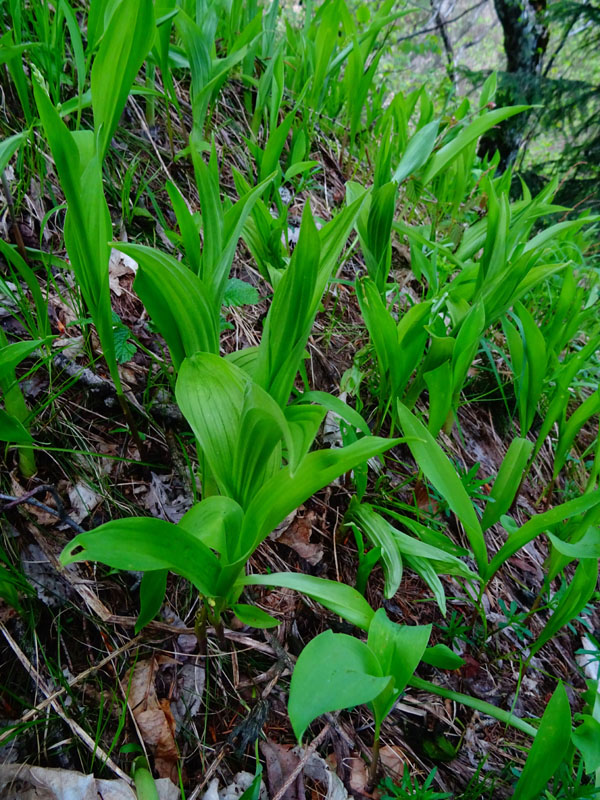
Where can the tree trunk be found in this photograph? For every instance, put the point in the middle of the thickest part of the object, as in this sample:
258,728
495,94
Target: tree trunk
525,42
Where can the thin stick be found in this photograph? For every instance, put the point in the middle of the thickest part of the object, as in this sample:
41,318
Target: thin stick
85,738
302,763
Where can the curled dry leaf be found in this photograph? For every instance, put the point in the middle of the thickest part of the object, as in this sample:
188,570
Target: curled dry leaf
153,717
119,266
83,501
298,536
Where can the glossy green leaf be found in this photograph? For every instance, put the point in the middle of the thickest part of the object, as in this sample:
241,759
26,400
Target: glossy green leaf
146,544
586,738
548,749
399,649
467,136
337,597
288,489
334,671
11,430
417,151
442,657
572,602
152,595
177,300
507,481
438,469
539,524
254,617
125,44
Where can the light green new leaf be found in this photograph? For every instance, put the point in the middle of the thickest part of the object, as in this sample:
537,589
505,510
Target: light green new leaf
538,524
177,301
187,227
507,482
467,136
586,547
147,544
287,490
381,534
586,738
417,151
578,593
548,749
124,46
8,147
334,671
237,424
399,649
152,594
254,617
440,471
291,315
11,430
442,657
337,597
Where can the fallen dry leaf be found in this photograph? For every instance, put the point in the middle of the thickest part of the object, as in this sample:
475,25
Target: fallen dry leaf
83,501
23,782
297,536
280,762
154,718
392,760
119,266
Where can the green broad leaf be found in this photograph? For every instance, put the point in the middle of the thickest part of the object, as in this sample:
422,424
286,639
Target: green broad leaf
152,595
572,603
337,597
439,388
238,425
8,147
304,422
442,657
11,430
290,318
298,168
125,44
382,535
177,301
467,344
418,150
548,749
88,226
539,524
428,573
12,354
467,136
570,429
334,671
337,407
587,547
399,649
254,617
507,481
240,293
187,227
147,544
288,489
216,521
586,738
440,471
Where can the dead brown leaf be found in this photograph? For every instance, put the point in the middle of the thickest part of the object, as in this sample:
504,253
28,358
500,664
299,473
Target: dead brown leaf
154,718
281,762
298,537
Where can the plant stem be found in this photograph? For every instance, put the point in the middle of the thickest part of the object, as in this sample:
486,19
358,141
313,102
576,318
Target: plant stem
374,767
472,702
